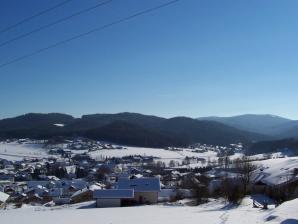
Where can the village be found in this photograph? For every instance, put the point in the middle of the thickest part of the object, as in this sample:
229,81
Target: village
70,175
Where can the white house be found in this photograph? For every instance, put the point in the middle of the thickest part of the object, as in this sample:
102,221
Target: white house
145,189
3,197
128,192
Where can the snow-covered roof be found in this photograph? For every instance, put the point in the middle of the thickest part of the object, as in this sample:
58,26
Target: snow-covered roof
94,187
276,171
90,188
140,184
259,177
53,178
3,196
76,183
138,175
113,193
79,192
217,173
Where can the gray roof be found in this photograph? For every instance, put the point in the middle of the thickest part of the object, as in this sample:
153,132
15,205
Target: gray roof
113,193
151,184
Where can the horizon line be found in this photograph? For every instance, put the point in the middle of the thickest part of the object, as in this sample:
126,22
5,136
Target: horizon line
167,117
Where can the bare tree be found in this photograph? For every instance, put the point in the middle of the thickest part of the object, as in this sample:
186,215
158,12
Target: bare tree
220,161
172,163
231,191
245,167
226,162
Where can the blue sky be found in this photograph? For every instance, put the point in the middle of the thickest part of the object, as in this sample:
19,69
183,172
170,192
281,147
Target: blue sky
194,58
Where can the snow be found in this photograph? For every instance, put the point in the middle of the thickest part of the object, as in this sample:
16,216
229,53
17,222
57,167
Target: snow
16,152
286,213
236,156
275,171
214,212
274,155
163,154
59,125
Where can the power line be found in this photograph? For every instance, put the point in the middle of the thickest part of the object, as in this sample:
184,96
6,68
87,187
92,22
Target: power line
54,23
89,32
34,16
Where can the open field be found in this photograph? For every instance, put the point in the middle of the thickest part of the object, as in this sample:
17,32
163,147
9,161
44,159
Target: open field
15,151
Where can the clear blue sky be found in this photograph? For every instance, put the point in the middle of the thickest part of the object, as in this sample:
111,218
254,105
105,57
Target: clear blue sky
194,58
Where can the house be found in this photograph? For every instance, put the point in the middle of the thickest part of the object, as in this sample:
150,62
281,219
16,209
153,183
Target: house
4,183
34,199
217,177
54,193
129,191
3,198
145,189
81,195
69,186
113,197
280,179
85,194
271,184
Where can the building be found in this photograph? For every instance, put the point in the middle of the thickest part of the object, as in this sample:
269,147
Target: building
284,182
85,194
3,198
129,192
112,197
145,189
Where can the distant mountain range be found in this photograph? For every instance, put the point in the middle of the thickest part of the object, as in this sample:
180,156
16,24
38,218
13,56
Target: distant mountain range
270,125
283,131
128,128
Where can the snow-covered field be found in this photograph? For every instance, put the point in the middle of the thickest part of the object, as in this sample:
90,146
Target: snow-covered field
214,212
15,151
163,154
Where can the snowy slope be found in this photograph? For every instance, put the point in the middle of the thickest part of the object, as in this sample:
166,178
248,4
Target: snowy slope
214,212
286,213
275,171
15,151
